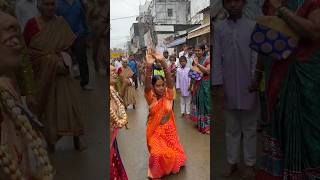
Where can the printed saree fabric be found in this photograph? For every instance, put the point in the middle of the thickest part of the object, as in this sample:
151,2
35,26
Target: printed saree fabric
201,104
129,91
292,139
11,138
58,103
117,170
166,154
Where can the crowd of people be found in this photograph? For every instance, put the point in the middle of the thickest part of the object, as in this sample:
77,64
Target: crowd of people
164,77
42,41
191,91
267,70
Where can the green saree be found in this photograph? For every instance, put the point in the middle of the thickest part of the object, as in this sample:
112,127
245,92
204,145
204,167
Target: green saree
292,136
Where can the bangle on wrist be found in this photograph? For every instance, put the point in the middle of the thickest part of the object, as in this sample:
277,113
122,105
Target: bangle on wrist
167,70
279,12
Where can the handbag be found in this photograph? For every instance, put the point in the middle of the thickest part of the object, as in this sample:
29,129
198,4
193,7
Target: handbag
273,37
195,73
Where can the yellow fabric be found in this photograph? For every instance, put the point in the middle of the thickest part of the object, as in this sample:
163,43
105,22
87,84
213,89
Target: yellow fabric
277,24
158,73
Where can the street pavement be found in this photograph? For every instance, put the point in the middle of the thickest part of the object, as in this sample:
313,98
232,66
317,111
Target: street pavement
219,144
133,147
91,163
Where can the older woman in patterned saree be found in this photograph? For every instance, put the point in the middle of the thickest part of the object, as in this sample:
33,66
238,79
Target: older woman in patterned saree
118,119
129,92
49,39
18,131
292,137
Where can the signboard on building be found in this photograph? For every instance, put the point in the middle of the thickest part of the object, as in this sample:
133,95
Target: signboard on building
116,55
148,41
164,28
161,46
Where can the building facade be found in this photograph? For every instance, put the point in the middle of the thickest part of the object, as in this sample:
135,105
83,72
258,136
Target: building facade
195,7
170,11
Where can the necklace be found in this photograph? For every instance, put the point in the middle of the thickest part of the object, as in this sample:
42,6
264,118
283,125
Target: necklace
20,119
119,118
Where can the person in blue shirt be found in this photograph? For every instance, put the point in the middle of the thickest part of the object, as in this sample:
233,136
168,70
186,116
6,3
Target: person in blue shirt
74,12
133,66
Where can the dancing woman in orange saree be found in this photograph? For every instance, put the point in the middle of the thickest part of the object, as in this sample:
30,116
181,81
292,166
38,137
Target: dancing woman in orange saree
166,153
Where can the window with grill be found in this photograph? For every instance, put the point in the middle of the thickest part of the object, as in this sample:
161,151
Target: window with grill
170,12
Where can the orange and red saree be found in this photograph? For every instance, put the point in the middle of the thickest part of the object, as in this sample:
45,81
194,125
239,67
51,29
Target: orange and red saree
166,153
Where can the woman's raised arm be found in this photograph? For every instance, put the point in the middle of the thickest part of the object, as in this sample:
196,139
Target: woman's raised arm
148,77
166,69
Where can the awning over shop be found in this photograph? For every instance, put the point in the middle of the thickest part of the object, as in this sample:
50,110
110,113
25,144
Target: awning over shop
177,42
201,30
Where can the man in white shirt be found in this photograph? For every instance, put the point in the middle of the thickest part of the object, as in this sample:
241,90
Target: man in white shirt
190,56
25,10
233,66
166,56
184,51
118,64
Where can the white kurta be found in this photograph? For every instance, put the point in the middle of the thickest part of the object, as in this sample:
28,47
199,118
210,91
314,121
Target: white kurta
25,10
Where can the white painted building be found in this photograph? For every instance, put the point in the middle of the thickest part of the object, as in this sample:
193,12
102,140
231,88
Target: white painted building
169,11
195,7
144,12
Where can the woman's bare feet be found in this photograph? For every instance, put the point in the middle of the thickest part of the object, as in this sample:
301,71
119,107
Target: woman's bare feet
188,116
249,172
51,147
79,144
232,168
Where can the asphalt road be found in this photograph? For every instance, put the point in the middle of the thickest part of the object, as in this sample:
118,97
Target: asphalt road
91,163
219,144
133,147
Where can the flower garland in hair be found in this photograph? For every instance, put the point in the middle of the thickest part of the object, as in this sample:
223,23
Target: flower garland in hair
23,125
120,119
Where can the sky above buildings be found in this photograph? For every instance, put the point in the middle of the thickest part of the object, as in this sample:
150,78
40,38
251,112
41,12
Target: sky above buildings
120,28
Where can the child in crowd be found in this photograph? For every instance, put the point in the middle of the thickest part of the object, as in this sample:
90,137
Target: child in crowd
182,86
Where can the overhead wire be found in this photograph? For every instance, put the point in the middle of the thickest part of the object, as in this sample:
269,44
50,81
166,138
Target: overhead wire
119,18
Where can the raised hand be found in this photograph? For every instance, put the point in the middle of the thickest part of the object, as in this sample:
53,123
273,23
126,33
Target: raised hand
158,56
275,3
196,61
149,57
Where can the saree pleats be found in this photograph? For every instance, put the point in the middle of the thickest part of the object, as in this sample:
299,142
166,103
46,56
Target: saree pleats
166,153
292,139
